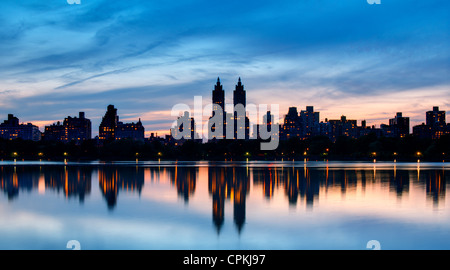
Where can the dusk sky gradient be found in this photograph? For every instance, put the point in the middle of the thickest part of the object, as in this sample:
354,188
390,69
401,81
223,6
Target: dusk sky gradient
344,57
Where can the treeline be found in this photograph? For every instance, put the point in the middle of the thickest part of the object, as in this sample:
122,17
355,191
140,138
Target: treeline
367,147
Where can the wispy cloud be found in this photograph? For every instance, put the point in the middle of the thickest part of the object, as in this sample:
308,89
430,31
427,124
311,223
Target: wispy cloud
146,56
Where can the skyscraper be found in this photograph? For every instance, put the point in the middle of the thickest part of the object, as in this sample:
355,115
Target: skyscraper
218,100
239,96
218,97
108,125
241,121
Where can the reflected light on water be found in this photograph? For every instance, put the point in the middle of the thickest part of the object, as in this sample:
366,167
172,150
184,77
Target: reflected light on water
295,197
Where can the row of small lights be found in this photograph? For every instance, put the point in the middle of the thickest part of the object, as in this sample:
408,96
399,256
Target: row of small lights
374,154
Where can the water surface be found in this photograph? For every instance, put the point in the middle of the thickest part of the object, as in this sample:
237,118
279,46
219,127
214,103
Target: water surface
224,205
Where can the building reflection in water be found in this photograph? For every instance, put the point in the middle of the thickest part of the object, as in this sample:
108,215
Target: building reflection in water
72,181
435,185
13,179
231,183
184,179
228,183
122,178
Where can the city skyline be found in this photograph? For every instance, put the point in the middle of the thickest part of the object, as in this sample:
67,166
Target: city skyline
96,119
57,56
303,124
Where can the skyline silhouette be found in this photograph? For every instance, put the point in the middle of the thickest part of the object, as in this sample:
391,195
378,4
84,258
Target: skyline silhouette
303,124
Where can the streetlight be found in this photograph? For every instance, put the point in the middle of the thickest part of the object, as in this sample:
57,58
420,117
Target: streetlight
418,156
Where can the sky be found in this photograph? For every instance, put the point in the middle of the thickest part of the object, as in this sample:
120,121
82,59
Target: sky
344,57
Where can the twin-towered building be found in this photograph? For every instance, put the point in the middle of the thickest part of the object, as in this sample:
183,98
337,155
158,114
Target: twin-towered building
238,118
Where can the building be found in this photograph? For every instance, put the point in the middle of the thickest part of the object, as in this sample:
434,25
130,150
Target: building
423,131
132,131
107,129
77,129
111,129
309,122
73,129
398,126
342,127
10,129
291,126
435,118
435,125
54,132
269,125
179,132
218,110
241,121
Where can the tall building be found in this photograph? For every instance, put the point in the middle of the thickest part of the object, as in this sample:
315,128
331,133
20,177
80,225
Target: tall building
398,126
241,121
218,97
108,125
111,129
291,127
218,102
10,129
309,121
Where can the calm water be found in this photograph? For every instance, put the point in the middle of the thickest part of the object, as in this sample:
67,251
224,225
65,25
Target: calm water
202,205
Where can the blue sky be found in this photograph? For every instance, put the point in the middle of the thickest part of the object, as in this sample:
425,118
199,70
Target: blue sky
343,57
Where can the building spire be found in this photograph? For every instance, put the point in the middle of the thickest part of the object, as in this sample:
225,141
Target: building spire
218,80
